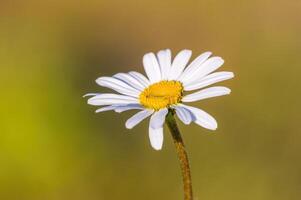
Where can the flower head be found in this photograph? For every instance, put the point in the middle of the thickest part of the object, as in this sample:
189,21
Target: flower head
166,87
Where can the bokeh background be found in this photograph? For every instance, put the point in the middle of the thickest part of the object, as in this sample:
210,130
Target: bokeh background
54,147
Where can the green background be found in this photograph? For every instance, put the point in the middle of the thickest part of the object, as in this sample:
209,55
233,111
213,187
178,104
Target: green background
54,147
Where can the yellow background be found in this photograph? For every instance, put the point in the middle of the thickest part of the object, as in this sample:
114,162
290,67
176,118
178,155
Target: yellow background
54,147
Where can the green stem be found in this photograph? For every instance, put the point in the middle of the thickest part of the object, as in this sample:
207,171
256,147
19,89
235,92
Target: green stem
183,158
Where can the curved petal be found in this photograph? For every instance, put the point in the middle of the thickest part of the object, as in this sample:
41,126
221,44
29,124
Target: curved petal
91,94
137,118
117,85
122,108
179,63
111,99
130,81
206,93
209,80
155,137
140,77
193,66
202,118
206,68
164,57
151,67
106,108
158,118
184,115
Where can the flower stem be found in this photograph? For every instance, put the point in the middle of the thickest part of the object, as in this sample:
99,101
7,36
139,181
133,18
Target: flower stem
183,158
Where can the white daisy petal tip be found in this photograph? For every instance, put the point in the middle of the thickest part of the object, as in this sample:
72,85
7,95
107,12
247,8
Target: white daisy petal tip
207,93
208,52
106,108
91,101
156,138
128,126
221,60
98,80
187,51
90,94
137,118
157,148
213,126
217,60
202,64
200,117
229,90
151,67
156,124
179,63
208,125
209,80
164,58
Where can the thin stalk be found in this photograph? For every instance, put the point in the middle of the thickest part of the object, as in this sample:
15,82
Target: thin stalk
182,155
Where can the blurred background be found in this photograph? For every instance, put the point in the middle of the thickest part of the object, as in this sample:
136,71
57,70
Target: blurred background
54,147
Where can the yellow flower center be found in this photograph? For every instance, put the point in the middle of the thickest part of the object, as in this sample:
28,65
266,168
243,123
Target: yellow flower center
161,95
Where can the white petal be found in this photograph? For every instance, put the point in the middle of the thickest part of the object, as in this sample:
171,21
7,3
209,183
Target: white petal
202,118
164,57
118,86
206,93
156,137
120,108
140,77
184,115
127,107
107,108
207,67
137,118
130,80
193,66
110,99
209,80
151,67
179,63
113,96
91,94
158,118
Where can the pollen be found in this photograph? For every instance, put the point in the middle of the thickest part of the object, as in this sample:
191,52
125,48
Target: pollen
162,95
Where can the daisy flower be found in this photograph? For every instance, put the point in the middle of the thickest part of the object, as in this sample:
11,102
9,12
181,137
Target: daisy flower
167,87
